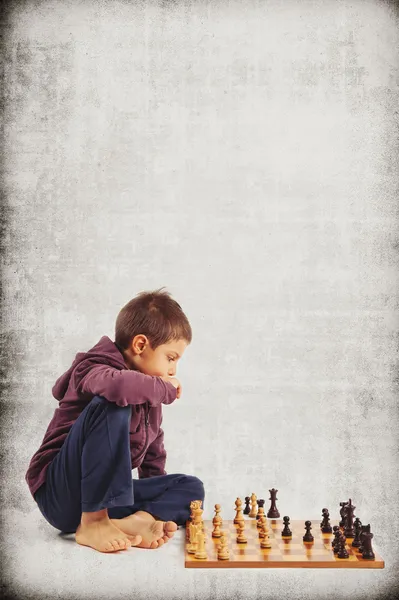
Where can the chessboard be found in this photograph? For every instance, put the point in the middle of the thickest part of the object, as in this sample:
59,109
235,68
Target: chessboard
290,552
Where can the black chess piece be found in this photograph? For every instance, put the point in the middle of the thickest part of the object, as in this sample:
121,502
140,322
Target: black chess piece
325,524
323,512
337,532
367,548
365,529
349,515
308,537
286,531
261,503
358,529
342,513
342,551
247,508
273,512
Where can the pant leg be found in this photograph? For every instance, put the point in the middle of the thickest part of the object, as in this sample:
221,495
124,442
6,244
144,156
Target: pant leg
93,469
166,497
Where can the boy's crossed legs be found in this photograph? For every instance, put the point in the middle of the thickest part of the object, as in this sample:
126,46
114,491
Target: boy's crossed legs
89,488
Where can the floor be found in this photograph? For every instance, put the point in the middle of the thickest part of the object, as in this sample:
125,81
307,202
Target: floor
40,562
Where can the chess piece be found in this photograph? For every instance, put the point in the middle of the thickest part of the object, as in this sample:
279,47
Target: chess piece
263,525
367,548
217,523
342,551
358,529
286,531
197,524
349,515
200,550
217,513
192,546
261,510
273,512
239,518
365,529
338,541
325,524
241,539
265,541
247,509
342,513
253,510
324,510
223,551
337,532
308,537
194,505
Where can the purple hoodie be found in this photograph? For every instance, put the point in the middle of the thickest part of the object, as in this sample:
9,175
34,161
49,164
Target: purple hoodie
102,371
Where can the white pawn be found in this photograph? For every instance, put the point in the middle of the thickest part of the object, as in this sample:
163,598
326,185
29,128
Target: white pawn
254,505
265,541
223,551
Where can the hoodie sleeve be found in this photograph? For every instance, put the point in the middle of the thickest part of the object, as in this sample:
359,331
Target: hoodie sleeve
126,386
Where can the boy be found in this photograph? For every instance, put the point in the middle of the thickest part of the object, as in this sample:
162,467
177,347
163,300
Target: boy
109,422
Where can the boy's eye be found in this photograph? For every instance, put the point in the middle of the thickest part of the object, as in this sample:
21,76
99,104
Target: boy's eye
171,358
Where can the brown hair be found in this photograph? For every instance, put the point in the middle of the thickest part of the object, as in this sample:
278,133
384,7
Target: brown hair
155,315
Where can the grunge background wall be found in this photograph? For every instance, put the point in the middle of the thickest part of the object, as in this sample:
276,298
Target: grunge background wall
245,156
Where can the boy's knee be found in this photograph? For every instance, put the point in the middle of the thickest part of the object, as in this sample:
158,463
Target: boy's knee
197,487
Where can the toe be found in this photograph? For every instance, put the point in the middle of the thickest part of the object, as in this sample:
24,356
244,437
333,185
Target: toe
135,539
169,528
160,542
154,544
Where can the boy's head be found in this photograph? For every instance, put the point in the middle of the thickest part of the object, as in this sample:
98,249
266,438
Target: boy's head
152,332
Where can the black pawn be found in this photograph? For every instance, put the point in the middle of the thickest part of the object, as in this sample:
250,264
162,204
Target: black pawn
325,524
308,537
336,532
342,551
261,503
358,528
323,512
247,509
286,531
336,540
367,549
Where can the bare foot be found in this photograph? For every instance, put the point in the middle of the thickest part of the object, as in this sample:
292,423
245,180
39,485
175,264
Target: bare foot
154,533
104,536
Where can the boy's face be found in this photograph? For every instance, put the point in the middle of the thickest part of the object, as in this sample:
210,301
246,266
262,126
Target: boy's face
161,362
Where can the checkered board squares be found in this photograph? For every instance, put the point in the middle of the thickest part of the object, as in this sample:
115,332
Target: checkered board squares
284,553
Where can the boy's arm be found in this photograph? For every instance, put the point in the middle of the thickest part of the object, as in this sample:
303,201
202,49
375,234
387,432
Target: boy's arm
154,461
125,386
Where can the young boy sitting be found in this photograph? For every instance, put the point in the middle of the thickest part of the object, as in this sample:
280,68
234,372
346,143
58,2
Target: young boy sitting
109,422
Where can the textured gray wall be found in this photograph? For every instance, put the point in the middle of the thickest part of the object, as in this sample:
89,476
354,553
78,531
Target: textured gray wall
243,154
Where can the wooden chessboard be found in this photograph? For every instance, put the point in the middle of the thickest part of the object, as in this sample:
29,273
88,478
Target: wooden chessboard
284,553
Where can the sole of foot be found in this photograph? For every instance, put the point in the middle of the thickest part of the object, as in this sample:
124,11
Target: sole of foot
154,533
105,536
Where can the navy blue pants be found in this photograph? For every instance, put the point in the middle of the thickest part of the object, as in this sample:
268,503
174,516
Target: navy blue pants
92,471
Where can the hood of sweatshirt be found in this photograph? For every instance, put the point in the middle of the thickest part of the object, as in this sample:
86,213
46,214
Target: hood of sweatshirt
104,352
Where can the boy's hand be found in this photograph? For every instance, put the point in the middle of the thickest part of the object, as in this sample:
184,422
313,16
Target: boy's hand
175,382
